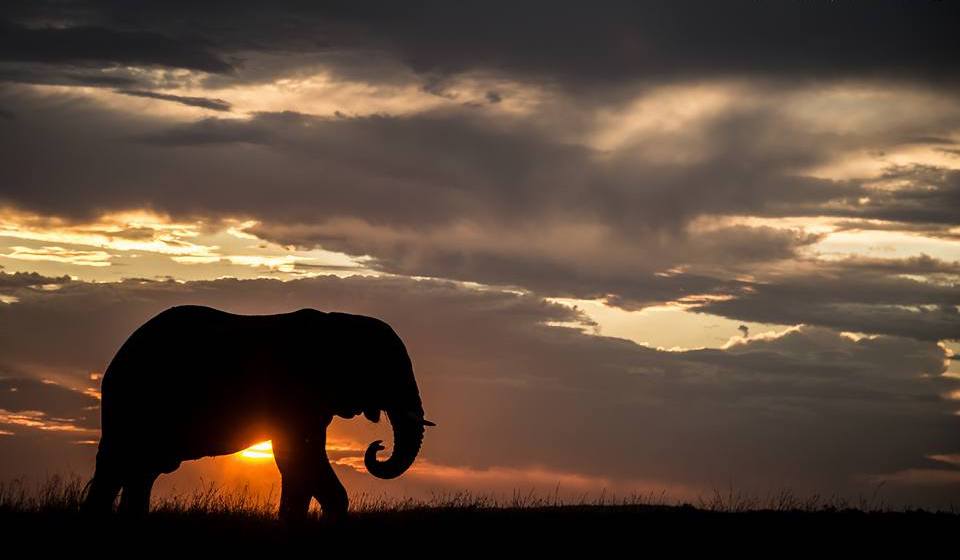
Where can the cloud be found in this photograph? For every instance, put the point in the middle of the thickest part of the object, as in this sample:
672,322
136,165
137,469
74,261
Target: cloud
26,73
30,403
17,280
437,166
416,173
45,428
95,45
575,47
929,195
861,295
452,193
59,254
203,102
511,392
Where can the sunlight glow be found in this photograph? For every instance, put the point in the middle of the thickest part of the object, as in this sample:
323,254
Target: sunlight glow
258,451
135,230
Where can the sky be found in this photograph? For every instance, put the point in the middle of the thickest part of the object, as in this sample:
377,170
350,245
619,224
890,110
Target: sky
632,247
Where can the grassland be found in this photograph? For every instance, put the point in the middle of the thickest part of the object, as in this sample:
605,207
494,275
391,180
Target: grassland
47,515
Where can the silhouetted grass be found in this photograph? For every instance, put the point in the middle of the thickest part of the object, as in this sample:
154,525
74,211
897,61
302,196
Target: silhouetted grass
64,494
215,515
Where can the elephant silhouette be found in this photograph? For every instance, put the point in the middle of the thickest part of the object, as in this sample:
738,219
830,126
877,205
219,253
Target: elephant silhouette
195,381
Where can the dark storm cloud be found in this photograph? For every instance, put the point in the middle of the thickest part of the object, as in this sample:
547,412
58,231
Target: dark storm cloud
510,391
17,280
932,230
457,195
99,46
862,295
412,171
420,174
922,264
923,323
69,76
932,196
630,285
203,102
569,42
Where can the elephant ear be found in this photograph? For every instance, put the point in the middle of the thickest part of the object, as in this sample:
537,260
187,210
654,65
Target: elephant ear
372,414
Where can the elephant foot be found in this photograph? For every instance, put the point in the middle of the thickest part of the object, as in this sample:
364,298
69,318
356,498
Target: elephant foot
333,500
293,515
335,515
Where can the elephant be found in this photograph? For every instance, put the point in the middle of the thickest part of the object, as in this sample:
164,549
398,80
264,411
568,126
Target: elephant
195,381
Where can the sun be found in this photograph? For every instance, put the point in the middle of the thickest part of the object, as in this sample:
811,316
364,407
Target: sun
258,451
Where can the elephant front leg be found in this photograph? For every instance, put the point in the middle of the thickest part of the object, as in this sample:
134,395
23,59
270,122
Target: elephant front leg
306,473
294,499
135,497
325,485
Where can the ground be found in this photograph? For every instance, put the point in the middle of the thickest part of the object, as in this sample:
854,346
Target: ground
467,531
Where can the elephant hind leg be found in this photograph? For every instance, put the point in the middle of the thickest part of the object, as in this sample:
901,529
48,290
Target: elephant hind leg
102,490
135,499
294,480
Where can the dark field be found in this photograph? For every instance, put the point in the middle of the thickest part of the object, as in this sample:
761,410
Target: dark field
47,517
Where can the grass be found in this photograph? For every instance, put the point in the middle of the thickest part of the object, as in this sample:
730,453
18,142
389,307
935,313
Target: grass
212,514
64,494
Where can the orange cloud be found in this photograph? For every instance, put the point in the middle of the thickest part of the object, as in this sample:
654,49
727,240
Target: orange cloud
60,255
40,421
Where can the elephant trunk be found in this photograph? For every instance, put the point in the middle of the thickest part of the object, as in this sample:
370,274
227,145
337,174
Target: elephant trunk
407,437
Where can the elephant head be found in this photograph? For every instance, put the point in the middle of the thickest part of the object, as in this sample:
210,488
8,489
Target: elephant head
405,412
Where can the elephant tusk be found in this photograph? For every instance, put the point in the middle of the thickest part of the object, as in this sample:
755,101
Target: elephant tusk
419,418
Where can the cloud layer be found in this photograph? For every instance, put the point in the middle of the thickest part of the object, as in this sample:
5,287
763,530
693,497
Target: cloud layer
612,42
807,408
455,194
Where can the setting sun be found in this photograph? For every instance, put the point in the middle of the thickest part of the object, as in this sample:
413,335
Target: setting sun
258,451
